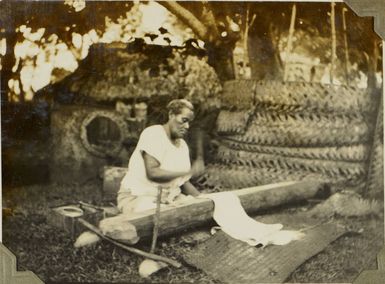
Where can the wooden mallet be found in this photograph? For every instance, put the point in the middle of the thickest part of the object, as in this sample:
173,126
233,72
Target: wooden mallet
148,266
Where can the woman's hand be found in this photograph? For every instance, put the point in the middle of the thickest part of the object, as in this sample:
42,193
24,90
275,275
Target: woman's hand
189,189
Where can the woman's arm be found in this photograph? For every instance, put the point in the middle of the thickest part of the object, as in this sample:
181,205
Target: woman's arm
189,189
156,174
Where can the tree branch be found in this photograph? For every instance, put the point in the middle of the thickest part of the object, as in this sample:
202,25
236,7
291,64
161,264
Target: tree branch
187,18
209,20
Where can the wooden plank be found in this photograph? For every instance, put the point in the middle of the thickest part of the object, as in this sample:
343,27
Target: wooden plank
233,261
199,211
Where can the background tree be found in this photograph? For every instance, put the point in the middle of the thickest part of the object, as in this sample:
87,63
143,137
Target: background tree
222,24
57,19
214,27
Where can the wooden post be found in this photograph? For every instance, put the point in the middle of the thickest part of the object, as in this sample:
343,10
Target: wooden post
334,46
375,173
246,36
347,63
372,61
290,40
375,177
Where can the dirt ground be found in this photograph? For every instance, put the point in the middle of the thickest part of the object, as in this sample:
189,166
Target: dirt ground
49,252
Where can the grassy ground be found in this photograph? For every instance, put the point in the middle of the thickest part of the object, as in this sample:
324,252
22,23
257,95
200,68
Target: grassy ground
49,252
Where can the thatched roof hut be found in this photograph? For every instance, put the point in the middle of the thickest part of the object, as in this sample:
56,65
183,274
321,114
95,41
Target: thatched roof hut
113,72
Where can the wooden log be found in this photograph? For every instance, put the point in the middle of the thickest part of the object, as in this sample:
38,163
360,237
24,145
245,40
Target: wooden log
198,211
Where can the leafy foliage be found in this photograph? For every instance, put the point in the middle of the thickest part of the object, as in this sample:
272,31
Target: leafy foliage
115,74
58,22
59,19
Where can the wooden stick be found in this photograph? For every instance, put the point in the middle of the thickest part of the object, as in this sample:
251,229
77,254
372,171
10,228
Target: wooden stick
127,248
248,25
90,205
156,220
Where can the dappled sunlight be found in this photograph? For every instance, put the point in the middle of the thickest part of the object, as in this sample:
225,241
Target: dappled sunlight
15,86
36,60
30,35
25,49
63,43
77,40
154,16
144,20
37,56
3,46
64,58
78,5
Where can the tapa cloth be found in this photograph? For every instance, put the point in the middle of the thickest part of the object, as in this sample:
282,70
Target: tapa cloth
233,220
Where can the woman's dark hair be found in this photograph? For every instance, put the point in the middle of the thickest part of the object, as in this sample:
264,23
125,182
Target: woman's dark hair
176,106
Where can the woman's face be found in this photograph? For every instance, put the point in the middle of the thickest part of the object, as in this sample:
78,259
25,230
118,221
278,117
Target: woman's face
180,123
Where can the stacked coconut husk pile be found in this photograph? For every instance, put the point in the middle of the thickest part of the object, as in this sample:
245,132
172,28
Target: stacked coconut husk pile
275,131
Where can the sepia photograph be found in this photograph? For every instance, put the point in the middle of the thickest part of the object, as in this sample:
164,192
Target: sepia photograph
192,141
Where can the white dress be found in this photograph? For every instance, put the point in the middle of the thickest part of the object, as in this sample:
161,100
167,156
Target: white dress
137,192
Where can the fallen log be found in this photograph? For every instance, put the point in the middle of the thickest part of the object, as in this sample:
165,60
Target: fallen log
198,211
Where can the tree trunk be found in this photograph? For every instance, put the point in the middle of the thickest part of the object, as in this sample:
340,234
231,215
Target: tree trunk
262,52
221,59
220,53
5,77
